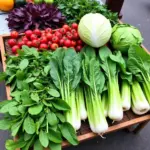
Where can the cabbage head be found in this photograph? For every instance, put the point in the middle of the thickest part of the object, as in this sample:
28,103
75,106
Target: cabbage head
94,29
125,35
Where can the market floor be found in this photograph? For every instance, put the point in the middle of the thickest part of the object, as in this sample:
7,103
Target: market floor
137,13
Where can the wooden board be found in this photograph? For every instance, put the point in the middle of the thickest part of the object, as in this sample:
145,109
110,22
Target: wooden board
84,133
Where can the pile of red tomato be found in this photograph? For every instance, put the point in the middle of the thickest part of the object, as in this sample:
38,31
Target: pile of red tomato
67,36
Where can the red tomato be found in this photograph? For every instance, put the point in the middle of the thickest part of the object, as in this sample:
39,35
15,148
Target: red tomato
73,31
14,34
35,43
47,30
79,42
64,38
62,31
67,43
50,43
73,43
43,39
15,48
58,34
55,39
33,37
76,36
28,33
78,48
12,42
70,36
54,46
49,36
74,26
37,32
43,46
61,42
43,34
29,43
66,27
21,43
25,39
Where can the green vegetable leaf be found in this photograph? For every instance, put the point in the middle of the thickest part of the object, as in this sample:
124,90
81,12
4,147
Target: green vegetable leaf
29,125
2,76
27,136
37,145
53,93
54,136
38,85
36,109
13,111
60,104
21,109
61,117
20,75
5,124
52,119
30,79
35,97
43,138
23,64
54,146
47,69
15,128
69,133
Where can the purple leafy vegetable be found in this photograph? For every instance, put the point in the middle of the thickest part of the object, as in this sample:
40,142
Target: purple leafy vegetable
33,16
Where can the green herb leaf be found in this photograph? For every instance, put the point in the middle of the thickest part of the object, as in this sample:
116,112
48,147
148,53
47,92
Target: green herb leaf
38,85
35,97
37,145
53,93
23,64
15,128
69,133
61,117
2,76
29,125
47,69
30,79
54,136
20,75
35,110
52,119
54,146
13,111
5,124
43,138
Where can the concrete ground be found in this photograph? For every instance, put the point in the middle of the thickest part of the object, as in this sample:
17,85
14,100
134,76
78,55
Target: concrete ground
137,13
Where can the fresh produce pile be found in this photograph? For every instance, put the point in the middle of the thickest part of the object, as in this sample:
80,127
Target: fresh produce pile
92,69
47,39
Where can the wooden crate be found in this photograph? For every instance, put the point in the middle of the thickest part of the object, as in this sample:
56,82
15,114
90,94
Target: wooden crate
84,133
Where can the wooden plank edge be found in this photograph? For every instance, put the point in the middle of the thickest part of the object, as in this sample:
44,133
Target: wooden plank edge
3,58
91,135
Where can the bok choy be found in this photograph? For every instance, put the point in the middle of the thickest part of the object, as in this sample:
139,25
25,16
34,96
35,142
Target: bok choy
94,83
66,74
115,111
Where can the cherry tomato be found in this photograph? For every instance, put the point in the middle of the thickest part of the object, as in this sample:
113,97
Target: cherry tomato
66,27
43,46
78,48
62,31
61,42
48,30
58,34
54,46
25,39
73,31
73,43
49,36
28,33
35,43
70,36
14,34
21,43
55,39
74,26
76,36
79,42
29,43
67,43
43,34
15,48
37,32
43,39
33,37
50,43
64,38
12,42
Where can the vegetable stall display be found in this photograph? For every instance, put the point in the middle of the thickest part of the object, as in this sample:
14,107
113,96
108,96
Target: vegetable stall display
65,78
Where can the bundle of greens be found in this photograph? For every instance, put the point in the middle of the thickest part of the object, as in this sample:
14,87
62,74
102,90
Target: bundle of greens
139,64
94,83
74,10
66,74
109,64
35,113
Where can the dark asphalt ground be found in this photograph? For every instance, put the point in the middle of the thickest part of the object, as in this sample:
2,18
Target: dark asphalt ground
137,13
